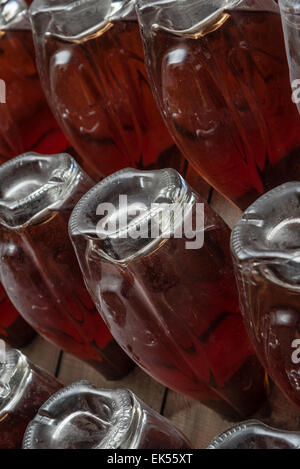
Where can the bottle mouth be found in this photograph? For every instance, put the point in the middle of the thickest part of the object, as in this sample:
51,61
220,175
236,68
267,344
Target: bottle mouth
226,436
13,13
125,216
81,416
33,187
192,18
79,21
249,428
14,372
269,235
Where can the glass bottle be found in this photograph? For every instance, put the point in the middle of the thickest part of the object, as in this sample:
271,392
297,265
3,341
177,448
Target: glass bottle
170,303
23,389
255,435
26,122
39,269
220,75
91,62
266,250
81,416
13,329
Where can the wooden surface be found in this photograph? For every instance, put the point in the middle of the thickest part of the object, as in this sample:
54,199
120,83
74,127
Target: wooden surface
199,423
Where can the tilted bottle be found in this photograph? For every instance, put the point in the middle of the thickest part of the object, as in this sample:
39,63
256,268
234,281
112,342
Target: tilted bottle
91,62
266,250
170,301
26,122
220,75
39,269
23,389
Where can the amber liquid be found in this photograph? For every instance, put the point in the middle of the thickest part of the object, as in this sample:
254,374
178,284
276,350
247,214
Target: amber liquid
100,93
228,103
36,390
176,313
26,122
272,317
13,329
47,287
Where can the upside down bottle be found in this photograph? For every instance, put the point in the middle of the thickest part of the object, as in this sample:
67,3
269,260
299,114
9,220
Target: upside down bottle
81,416
220,74
266,251
39,269
23,389
172,306
91,62
18,85
26,122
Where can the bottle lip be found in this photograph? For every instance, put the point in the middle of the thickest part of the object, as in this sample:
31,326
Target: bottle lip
14,374
265,233
263,236
232,431
186,18
52,179
81,222
88,19
226,436
127,415
13,15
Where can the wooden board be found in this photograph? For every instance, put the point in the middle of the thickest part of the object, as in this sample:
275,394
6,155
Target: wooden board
146,388
43,354
225,209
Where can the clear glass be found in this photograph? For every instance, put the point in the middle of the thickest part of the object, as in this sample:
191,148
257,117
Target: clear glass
173,310
266,251
91,62
23,389
290,15
220,75
255,435
12,328
83,417
39,269
26,122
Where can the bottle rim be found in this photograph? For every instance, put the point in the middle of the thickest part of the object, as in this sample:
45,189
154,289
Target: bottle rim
88,19
262,236
80,225
52,179
227,435
127,417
